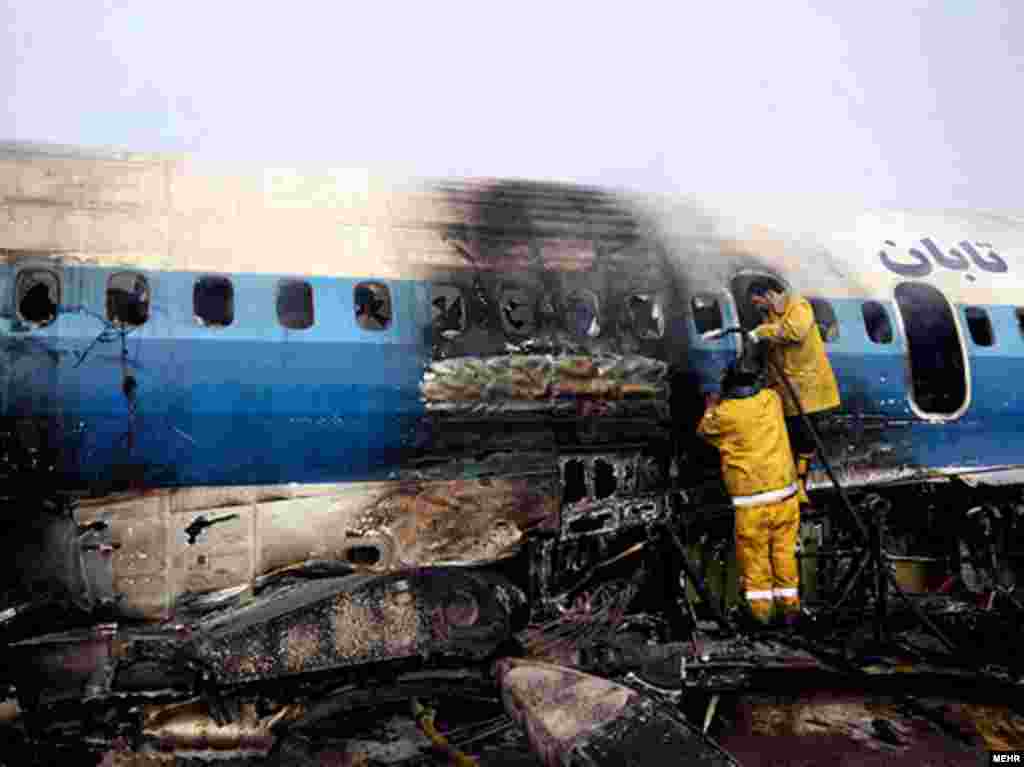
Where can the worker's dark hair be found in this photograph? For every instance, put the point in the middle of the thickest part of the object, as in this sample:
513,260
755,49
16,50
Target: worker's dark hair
761,286
743,377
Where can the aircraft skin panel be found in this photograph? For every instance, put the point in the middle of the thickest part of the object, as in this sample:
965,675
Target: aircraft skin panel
344,404
223,405
254,403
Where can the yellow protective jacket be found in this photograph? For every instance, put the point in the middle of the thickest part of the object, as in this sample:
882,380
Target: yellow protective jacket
796,348
750,434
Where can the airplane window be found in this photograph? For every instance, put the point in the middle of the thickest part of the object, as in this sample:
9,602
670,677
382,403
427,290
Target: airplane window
38,296
876,322
825,316
213,302
646,316
127,299
583,314
979,325
574,482
518,315
372,302
295,304
448,310
707,314
938,377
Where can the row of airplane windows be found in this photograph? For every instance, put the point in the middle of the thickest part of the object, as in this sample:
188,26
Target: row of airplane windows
38,298
128,296
707,316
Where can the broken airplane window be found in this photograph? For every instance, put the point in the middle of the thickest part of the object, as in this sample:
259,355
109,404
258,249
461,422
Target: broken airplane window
937,371
876,322
447,311
604,479
707,314
295,304
38,296
583,314
825,316
213,302
574,482
979,325
372,302
127,299
646,316
518,315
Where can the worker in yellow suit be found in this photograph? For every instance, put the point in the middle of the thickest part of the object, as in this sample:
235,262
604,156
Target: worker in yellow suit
746,424
796,348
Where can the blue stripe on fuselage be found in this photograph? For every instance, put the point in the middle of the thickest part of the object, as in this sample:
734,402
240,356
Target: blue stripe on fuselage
872,381
255,403
251,403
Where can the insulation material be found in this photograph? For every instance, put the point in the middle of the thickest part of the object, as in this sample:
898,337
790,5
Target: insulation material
542,378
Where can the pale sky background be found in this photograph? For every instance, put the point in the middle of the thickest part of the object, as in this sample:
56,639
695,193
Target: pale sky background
909,103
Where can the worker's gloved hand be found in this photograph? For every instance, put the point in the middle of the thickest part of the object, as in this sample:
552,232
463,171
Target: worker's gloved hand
753,337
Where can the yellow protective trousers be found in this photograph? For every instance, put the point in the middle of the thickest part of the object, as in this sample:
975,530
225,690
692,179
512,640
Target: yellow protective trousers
766,537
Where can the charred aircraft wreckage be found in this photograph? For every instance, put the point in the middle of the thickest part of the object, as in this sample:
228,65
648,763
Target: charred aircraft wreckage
281,447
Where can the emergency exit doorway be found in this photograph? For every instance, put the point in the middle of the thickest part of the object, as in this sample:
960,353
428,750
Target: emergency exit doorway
935,352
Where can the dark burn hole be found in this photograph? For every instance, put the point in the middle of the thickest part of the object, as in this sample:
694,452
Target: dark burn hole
295,304
575,480
372,301
589,524
604,479
979,326
127,299
707,313
448,310
213,302
876,322
646,316
38,294
518,315
937,372
363,555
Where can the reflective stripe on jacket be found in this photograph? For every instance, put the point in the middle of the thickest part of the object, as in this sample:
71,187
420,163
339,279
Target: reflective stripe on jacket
795,346
750,434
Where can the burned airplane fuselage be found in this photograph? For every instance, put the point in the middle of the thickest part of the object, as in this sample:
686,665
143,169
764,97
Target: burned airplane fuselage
323,427
474,362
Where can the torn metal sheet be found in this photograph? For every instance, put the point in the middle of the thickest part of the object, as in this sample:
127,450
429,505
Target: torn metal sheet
353,620
572,718
189,730
70,666
370,527
842,729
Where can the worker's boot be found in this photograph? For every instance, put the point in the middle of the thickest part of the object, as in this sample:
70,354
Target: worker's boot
789,613
803,464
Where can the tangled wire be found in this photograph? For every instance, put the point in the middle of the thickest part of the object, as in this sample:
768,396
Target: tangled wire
591,619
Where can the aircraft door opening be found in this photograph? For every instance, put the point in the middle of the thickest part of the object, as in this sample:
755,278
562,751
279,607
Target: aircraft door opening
751,315
938,367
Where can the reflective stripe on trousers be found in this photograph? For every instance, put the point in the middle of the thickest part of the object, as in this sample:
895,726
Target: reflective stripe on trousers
771,496
766,555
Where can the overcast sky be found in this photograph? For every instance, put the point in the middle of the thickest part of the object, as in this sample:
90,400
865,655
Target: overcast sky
908,103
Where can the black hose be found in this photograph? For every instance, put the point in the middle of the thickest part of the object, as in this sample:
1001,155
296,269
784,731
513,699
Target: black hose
890,578
820,449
